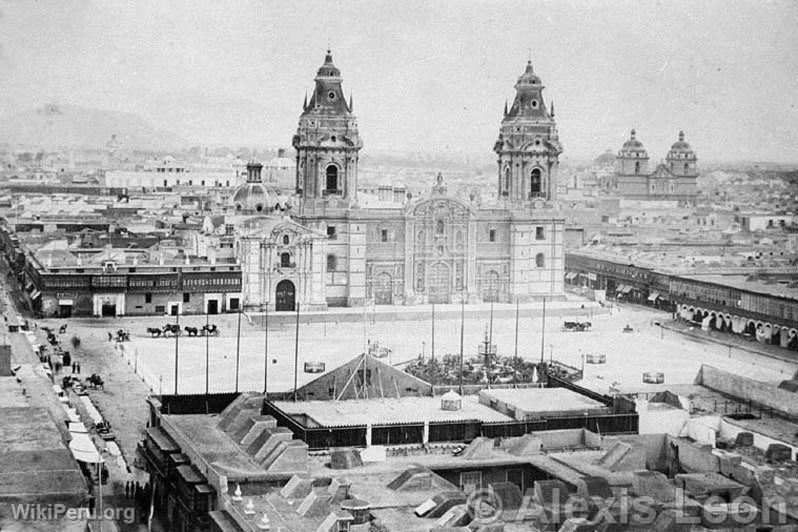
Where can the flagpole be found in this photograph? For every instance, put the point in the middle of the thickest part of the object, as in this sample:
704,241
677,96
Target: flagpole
433,329
177,335
238,345
543,333
207,359
266,352
462,328
296,351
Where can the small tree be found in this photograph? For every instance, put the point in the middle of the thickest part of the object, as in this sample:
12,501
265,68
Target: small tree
75,342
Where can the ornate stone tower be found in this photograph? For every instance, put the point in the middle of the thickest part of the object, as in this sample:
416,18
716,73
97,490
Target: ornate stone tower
681,159
632,158
327,145
528,147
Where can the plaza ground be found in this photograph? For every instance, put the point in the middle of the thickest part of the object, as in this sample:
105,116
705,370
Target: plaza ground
648,348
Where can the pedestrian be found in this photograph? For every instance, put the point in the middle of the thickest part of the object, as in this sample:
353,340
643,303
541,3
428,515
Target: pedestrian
78,365
110,337
57,367
74,367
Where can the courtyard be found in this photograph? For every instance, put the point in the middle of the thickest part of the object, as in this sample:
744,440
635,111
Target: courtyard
647,348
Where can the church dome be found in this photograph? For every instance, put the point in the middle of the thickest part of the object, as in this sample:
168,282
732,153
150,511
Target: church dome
253,197
681,145
328,69
528,77
633,143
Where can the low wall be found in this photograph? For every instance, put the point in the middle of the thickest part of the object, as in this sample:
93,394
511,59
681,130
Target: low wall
761,393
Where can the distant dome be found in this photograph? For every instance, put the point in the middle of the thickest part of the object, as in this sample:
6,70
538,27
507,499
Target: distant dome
681,145
633,143
252,198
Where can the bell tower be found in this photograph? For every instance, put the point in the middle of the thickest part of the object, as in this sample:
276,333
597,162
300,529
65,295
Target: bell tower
327,144
528,147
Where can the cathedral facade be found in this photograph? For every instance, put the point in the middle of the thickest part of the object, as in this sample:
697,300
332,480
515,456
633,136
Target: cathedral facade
325,249
673,180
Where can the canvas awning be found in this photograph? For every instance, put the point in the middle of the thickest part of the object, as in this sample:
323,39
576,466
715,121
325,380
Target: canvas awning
35,294
570,276
83,449
77,427
591,276
625,289
653,296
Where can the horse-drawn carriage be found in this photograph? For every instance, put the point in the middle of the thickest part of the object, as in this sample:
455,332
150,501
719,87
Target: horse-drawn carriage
206,330
95,381
170,329
174,330
572,326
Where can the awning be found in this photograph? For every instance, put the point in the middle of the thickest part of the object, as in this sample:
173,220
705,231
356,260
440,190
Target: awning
83,449
35,294
66,302
77,427
570,276
625,289
591,276
653,296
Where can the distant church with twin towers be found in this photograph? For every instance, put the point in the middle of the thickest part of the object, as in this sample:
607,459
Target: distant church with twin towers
329,250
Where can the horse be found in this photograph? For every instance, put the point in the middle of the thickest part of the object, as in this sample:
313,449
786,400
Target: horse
171,329
209,330
191,331
95,381
154,331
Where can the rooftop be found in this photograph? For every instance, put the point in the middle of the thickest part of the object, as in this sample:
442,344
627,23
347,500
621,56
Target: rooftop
402,410
541,400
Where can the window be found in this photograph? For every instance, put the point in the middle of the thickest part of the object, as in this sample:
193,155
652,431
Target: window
332,177
686,167
331,232
384,235
332,263
148,298
285,260
160,308
535,182
534,104
233,303
491,235
331,95
286,240
540,260
637,167
186,297
540,233
439,227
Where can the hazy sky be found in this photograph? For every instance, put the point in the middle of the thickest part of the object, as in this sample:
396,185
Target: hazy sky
431,76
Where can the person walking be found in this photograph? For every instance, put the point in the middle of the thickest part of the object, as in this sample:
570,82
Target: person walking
78,366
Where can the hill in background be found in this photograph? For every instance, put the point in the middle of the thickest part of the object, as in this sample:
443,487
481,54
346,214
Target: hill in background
55,127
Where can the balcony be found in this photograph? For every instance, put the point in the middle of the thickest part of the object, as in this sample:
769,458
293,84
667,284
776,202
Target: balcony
285,265
332,192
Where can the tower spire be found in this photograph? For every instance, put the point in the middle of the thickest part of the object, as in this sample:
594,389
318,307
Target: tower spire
552,108
350,102
505,107
305,103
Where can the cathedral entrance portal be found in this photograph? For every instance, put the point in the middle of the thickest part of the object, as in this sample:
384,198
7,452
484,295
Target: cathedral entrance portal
285,296
383,289
440,283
